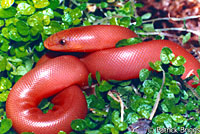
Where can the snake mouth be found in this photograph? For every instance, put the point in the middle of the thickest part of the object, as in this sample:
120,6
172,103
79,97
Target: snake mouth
46,44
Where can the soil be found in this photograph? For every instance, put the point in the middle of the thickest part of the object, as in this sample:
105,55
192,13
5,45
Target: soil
178,9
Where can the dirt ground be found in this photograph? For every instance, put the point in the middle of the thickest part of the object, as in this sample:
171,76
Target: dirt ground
178,9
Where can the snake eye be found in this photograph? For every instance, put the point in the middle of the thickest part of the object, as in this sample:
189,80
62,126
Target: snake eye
62,42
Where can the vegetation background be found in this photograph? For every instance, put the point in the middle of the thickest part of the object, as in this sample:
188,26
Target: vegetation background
25,24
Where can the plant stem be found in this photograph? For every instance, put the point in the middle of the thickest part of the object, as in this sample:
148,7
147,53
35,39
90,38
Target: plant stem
172,18
179,29
158,98
157,33
134,8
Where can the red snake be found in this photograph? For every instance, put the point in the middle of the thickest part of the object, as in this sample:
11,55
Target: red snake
63,76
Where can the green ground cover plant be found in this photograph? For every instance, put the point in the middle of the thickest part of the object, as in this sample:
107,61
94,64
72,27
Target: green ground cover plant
158,99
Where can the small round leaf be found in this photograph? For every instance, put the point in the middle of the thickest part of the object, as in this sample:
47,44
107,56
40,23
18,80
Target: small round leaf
7,3
25,9
78,124
178,61
22,28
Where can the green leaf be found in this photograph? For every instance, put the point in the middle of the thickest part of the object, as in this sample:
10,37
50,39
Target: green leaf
191,105
5,47
115,117
98,77
97,112
6,124
25,9
104,4
180,109
1,23
92,132
96,118
54,4
198,71
54,27
4,96
178,61
138,21
125,83
44,104
144,110
125,21
159,119
151,83
7,3
156,66
83,6
90,124
139,5
104,86
114,131
186,38
21,70
10,21
39,47
127,8
27,133
5,84
164,107
166,55
82,0
176,70
3,63
114,21
28,64
146,16
34,31
185,95
114,104
198,90
67,18
5,32
150,87
40,3
22,28
48,12
144,74
7,13
13,34
122,126
62,132
149,92
97,103
106,129
75,13
130,41
148,27
178,118
132,118
78,124
89,79
174,89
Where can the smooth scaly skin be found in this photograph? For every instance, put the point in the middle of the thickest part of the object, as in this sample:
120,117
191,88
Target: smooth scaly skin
126,62
88,38
117,63
59,75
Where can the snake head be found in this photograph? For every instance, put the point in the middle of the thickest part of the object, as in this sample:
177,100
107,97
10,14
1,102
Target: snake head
59,41
87,38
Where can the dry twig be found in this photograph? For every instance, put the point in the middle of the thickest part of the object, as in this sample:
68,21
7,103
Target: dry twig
118,99
158,98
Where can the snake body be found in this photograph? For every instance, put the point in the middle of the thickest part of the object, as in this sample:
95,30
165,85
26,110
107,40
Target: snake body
63,76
